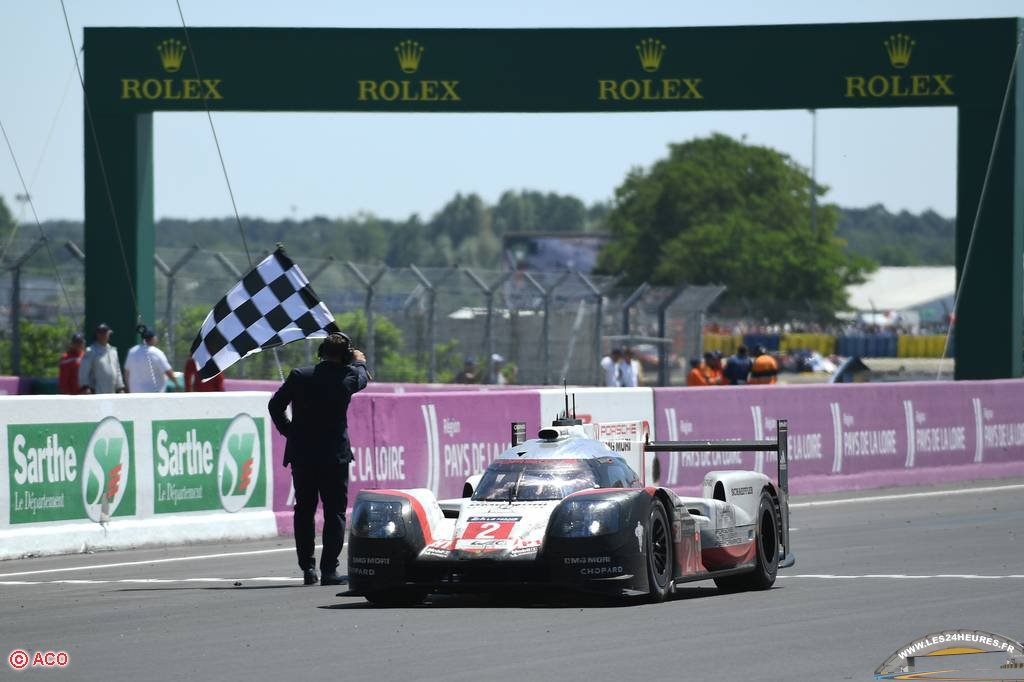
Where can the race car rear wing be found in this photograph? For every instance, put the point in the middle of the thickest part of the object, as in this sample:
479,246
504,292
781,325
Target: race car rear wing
780,446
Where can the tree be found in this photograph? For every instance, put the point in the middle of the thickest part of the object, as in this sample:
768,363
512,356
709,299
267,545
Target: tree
899,238
718,210
533,211
461,218
41,347
6,219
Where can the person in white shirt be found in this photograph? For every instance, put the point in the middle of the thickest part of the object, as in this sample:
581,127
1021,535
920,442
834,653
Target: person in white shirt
145,367
634,367
617,372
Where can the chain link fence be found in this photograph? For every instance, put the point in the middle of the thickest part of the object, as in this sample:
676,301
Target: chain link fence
516,327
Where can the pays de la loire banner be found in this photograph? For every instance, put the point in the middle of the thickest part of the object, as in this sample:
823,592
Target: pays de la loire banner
440,439
420,440
208,464
876,433
71,471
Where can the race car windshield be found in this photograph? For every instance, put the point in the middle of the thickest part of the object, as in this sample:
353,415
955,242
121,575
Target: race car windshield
525,481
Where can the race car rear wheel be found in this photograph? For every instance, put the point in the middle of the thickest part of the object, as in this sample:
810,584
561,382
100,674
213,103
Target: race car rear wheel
398,596
659,552
766,542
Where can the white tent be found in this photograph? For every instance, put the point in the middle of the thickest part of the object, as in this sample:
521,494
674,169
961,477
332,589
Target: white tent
917,293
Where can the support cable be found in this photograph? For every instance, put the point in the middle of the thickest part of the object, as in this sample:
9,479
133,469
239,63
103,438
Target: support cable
216,139
39,164
103,168
981,202
223,164
42,232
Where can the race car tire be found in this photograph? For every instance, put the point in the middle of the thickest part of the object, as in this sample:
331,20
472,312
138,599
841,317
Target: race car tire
659,553
766,542
398,596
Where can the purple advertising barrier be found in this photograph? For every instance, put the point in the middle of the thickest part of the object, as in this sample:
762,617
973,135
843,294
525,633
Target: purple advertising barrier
850,437
11,385
372,387
417,440
438,440
360,431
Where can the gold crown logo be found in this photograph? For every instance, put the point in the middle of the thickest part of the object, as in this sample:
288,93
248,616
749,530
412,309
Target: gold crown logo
409,53
171,53
899,48
650,51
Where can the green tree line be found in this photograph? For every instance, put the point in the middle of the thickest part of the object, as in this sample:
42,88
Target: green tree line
715,209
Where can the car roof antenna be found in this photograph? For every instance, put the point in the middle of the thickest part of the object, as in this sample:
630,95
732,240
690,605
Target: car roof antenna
565,392
564,419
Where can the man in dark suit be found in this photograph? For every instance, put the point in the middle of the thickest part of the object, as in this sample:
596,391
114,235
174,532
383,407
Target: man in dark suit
318,448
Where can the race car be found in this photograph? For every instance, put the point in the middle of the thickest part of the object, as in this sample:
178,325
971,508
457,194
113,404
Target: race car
567,510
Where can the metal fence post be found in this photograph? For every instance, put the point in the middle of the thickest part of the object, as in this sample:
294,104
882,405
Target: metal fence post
431,298
170,273
546,327
368,284
15,269
76,252
314,274
663,373
633,299
599,295
228,265
488,292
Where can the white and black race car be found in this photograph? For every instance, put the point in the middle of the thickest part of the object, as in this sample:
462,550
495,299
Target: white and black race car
566,510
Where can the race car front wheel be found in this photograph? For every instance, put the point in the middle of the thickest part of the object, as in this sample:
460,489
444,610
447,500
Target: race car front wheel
659,552
766,556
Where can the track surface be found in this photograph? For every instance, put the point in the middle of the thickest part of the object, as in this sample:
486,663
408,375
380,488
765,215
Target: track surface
809,627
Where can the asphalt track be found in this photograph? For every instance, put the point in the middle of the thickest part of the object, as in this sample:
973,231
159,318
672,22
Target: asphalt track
873,572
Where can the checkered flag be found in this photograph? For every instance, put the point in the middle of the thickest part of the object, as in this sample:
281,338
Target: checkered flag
272,305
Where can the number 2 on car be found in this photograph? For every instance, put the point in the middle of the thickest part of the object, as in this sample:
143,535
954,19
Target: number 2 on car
498,529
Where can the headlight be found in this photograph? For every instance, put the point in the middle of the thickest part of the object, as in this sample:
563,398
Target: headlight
373,519
587,518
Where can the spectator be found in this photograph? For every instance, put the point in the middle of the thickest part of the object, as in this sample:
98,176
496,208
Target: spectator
737,369
497,375
193,384
69,364
100,371
635,371
713,368
146,366
617,371
765,369
468,374
698,373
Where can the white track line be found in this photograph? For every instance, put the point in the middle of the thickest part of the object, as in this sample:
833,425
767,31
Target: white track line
158,581
794,505
153,561
900,576
905,496
291,580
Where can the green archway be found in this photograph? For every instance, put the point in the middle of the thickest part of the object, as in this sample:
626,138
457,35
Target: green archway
132,72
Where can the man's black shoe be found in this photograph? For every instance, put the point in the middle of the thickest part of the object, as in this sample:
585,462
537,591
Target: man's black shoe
333,579
309,576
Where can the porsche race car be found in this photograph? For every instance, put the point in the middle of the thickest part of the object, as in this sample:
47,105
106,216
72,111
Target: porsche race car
568,510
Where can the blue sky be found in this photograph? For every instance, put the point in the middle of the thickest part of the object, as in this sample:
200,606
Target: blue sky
298,165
